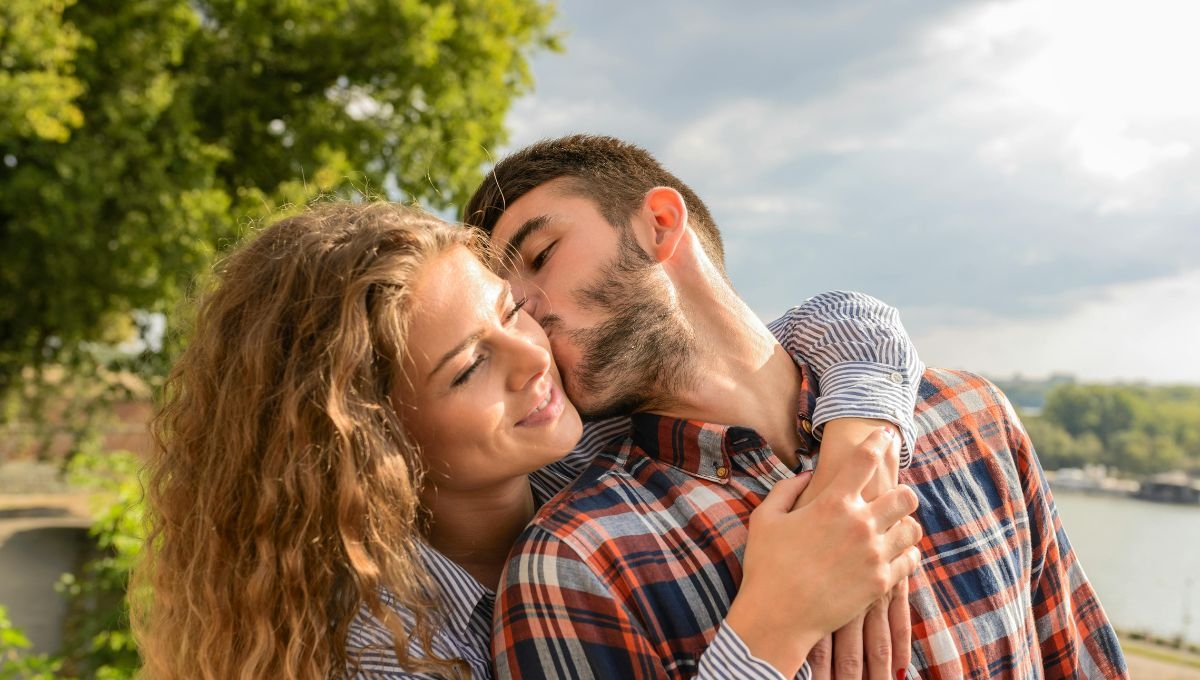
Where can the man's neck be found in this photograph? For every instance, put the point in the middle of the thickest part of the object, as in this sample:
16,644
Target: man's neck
477,530
742,375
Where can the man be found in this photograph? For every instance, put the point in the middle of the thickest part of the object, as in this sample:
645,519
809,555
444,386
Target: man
623,266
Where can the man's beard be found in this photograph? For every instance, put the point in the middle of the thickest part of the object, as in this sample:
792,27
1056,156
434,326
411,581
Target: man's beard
639,358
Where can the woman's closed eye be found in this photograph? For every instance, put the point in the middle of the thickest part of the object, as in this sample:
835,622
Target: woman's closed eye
467,372
508,318
461,378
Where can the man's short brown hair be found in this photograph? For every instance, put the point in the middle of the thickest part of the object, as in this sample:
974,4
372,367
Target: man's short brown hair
614,174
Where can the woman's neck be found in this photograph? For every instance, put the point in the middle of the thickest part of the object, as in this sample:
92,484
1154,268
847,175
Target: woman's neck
477,529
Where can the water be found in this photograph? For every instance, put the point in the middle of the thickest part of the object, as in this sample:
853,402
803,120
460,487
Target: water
1142,558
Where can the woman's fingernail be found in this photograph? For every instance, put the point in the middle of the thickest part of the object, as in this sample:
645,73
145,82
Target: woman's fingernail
901,674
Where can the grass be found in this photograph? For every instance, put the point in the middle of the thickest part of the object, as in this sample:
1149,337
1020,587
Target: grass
1159,652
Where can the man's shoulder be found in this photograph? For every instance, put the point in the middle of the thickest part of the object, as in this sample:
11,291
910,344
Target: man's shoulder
941,384
947,396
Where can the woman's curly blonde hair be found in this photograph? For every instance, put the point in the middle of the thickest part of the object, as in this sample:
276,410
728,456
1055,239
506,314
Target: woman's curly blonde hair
283,493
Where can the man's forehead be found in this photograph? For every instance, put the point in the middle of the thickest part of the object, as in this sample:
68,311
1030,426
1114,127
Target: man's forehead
544,195
552,202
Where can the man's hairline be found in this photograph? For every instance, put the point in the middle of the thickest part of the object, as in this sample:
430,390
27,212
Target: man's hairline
566,185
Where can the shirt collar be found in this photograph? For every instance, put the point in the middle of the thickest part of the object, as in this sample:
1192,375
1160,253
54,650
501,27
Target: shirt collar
806,405
705,449
464,601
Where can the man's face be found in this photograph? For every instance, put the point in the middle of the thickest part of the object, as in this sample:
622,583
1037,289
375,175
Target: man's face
603,302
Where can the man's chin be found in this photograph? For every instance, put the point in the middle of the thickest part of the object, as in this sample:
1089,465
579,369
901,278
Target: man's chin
604,394
595,410
586,402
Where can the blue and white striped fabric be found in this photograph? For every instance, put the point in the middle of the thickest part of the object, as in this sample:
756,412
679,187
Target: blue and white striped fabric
865,364
866,367
465,606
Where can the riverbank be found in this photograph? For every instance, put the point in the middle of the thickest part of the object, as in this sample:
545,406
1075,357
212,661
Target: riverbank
1151,660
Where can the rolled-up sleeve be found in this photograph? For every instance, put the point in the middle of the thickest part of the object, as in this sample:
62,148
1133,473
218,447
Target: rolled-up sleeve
865,363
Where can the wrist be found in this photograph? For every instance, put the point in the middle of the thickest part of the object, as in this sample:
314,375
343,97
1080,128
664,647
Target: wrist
784,645
854,430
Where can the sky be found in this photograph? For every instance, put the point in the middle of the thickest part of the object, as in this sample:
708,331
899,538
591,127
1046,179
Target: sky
1020,179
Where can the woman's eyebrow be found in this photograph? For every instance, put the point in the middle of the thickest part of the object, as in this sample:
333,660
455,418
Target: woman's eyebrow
505,292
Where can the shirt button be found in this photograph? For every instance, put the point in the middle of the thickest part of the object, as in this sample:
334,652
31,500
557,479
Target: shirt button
896,378
806,425
722,472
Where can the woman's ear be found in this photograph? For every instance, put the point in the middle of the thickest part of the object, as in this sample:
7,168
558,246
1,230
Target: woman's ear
668,222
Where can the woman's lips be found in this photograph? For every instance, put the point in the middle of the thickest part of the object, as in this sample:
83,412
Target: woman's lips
546,411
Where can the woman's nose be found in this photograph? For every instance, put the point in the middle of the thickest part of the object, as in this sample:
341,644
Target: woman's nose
530,361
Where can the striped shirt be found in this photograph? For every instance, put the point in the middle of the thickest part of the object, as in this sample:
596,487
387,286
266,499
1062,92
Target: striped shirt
630,571
852,340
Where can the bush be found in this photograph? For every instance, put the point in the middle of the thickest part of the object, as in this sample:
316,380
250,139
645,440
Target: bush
97,642
15,662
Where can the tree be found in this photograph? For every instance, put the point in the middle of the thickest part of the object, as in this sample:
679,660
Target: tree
37,85
1055,448
140,138
1102,410
1135,428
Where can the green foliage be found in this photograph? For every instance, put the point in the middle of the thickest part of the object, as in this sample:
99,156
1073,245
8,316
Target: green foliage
98,643
15,661
137,139
37,84
1136,429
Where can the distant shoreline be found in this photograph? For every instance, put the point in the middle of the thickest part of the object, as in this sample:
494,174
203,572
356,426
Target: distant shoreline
1161,649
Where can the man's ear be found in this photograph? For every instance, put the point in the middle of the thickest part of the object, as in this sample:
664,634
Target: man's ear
668,220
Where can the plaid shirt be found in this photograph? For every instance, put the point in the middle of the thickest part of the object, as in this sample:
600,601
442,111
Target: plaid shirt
869,369
629,572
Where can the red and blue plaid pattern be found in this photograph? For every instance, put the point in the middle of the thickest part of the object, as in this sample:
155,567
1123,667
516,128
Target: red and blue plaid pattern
629,572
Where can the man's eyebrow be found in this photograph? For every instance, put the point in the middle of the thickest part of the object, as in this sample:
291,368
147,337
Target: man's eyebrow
512,249
505,292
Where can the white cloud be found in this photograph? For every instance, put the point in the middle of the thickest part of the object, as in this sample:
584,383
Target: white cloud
997,161
767,211
1109,74
1143,331
1106,148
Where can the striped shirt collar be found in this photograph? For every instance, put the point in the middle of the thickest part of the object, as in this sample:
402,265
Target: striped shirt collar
465,602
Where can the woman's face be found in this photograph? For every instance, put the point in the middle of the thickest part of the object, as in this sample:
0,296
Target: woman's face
481,394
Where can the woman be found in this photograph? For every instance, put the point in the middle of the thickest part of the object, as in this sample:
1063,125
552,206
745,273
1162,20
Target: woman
353,423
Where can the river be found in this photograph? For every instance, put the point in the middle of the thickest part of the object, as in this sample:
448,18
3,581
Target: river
1143,558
